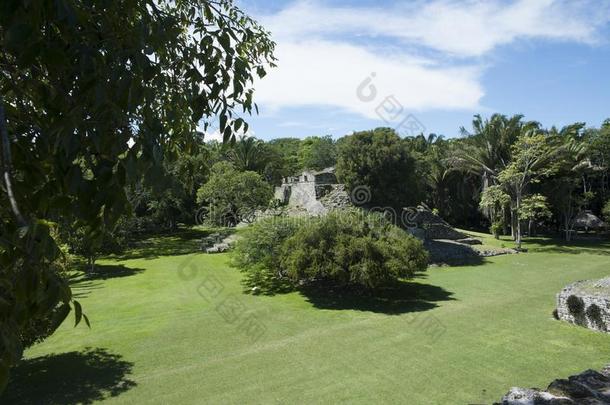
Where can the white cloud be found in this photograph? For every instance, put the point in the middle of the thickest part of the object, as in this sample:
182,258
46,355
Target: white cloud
461,28
329,73
216,135
428,54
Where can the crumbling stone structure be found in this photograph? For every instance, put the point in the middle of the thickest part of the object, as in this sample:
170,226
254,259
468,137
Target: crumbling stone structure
316,192
586,303
589,387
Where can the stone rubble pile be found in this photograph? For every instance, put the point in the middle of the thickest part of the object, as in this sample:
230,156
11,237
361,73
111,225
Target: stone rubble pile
587,388
217,243
336,198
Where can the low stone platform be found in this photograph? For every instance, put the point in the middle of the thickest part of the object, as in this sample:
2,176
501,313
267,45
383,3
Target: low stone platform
218,243
587,388
586,303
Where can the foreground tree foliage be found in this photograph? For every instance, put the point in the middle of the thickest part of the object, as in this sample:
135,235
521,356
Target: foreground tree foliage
92,95
350,248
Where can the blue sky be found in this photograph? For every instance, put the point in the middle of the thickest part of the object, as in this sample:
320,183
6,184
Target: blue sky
431,65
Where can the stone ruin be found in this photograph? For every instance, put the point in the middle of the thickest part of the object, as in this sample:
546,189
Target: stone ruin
318,192
445,244
586,303
217,242
587,388
313,192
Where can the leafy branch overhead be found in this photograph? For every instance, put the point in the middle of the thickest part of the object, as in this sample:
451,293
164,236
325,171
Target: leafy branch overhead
98,94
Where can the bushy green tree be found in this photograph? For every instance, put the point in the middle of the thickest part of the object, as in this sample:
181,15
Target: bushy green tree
495,200
317,153
381,161
231,196
352,248
534,207
343,248
287,151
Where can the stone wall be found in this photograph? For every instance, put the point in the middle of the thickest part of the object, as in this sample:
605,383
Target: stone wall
586,303
301,195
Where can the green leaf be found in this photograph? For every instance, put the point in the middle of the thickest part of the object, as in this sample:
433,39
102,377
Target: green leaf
78,313
87,321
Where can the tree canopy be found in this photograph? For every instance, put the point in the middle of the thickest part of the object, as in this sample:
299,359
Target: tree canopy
93,95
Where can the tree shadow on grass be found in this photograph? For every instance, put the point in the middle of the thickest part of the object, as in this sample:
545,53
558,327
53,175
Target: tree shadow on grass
401,297
451,253
180,242
84,281
106,271
593,246
68,378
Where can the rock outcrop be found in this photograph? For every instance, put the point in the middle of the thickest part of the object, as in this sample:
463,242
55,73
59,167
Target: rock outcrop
587,388
586,303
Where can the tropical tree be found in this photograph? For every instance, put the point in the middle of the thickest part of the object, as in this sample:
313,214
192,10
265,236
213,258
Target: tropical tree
379,161
531,161
487,149
94,94
247,153
317,153
495,200
232,196
534,207
564,189
288,151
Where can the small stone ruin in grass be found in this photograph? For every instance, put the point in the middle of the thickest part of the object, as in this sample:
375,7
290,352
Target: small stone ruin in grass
587,388
586,303
217,242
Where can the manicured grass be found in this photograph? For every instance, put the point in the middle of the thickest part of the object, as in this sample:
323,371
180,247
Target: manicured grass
457,335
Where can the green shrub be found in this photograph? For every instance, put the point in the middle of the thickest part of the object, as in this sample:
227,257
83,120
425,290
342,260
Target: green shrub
343,248
594,313
606,211
575,305
496,229
258,253
352,248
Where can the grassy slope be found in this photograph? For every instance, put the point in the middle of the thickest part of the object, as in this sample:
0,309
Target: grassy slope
166,343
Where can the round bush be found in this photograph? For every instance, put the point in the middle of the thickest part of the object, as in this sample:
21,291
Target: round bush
575,305
352,247
594,313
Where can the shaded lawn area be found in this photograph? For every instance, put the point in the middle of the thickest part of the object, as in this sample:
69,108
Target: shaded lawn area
180,330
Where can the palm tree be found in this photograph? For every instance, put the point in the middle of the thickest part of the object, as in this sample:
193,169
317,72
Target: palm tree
487,150
247,153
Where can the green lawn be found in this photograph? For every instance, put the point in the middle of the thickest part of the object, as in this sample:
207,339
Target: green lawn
161,333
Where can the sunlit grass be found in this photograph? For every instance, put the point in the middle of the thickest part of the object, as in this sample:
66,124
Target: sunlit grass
465,335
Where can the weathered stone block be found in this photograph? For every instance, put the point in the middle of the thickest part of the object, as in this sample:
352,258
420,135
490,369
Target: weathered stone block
586,303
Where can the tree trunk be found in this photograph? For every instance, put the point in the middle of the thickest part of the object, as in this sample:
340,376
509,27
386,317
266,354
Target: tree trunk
518,222
567,227
91,263
513,224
